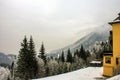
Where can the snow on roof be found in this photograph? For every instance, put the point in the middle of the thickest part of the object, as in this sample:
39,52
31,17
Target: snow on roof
98,62
90,73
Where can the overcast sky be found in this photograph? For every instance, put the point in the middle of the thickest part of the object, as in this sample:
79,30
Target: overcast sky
55,22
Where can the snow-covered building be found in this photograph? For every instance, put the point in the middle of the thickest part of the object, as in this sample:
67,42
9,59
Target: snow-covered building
96,63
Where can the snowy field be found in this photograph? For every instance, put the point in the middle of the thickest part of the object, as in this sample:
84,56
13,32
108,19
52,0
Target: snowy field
115,78
90,73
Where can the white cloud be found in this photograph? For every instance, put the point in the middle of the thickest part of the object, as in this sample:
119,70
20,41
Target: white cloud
59,19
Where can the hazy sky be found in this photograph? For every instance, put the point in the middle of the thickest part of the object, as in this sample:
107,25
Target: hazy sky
55,22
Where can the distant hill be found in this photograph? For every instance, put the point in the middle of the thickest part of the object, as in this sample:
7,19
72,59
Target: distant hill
100,33
4,60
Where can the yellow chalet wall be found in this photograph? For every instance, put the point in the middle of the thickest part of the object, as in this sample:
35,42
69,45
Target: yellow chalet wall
111,59
116,39
108,68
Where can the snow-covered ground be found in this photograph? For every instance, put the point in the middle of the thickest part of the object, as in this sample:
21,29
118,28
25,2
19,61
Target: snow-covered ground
115,78
90,73
4,73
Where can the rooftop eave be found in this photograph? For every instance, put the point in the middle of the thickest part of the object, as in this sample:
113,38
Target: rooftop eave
114,22
108,53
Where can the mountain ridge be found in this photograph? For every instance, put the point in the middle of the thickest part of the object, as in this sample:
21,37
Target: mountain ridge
4,60
100,33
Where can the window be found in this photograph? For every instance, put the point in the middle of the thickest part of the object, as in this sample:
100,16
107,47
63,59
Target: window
117,62
108,60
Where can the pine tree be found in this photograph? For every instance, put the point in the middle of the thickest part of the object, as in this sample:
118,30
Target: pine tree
76,53
47,71
42,53
83,53
33,64
27,64
88,53
69,56
22,68
62,57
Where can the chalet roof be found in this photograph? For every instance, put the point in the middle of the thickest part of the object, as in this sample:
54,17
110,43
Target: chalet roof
117,20
114,22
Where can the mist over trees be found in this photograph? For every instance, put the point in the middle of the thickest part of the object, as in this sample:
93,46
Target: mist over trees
30,66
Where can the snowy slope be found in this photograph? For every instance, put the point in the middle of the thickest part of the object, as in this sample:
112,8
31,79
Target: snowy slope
90,73
100,33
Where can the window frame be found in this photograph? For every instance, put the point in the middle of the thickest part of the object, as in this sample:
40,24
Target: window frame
108,60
